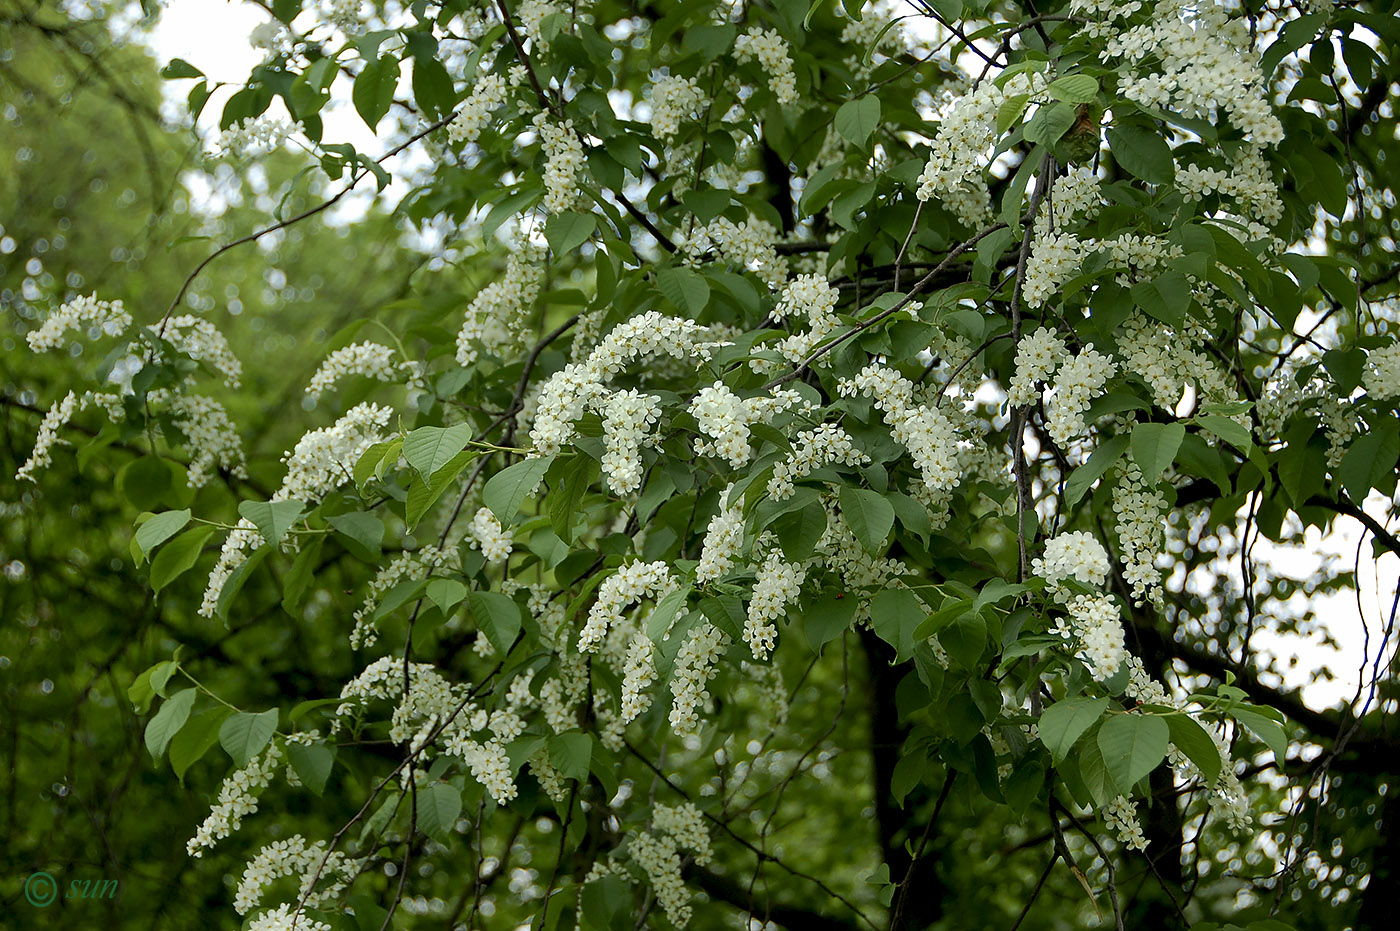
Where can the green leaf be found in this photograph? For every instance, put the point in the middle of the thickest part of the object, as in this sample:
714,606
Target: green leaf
570,754
1230,431
1100,461
869,515
1063,723
428,449
245,734
665,612
497,616
364,529
799,531
1142,152
272,518
857,119
684,287
829,617
1191,739
303,708
508,488
894,615
179,68
1166,297
168,720
446,594
1074,88
1370,463
423,495
1154,447
373,93
1132,746
1266,729
150,684
157,530
439,806
195,739
1050,123
179,556
567,231
312,763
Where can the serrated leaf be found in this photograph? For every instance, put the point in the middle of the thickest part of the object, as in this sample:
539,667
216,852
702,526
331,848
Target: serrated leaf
505,491
195,739
1063,723
497,616
1166,297
439,806
1050,123
1099,462
157,530
857,119
179,68
1267,730
423,495
446,594
373,92
1154,447
364,529
1074,88
1132,745
1370,462
1191,738
1230,431
312,763
799,531
665,612
1142,152
566,231
428,449
179,556
272,518
168,720
894,615
570,754
245,734
869,515
684,287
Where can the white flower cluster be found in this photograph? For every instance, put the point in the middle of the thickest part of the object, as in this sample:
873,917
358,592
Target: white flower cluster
490,766
88,314
629,584
289,857
1249,181
286,918
926,432
772,54
323,459
1081,379
686,825
209,433
564,159
695,666
237,800
1077,555
725,418
674,99
531,14
1074,193
475,112
628,417
271,36
1037,357
405,566
1096,622
960,150
1121,817
495,319
1283,396
370,359
580,386
812,449
201,340
658,858
638,674
1382,374
809,296
1201,62
488,536
777,586
724,537
749,245
55,420
257,135
1169,360
1138,510
1054,259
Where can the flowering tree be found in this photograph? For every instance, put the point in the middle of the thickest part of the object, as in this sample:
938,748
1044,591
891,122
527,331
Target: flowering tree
815,421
